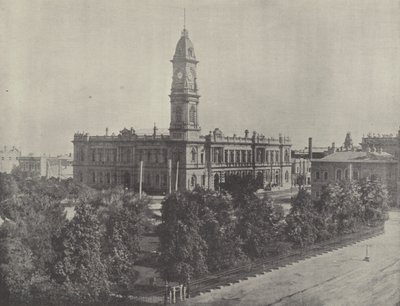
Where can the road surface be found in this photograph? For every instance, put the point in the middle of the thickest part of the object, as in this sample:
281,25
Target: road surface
340,277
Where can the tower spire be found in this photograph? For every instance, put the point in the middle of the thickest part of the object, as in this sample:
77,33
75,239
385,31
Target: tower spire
184,18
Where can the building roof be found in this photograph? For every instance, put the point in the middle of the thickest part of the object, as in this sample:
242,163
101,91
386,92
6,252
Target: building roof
358,156
184,47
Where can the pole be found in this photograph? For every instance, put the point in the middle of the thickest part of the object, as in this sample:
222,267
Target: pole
166,293
170,176
366,254
177,174
140,179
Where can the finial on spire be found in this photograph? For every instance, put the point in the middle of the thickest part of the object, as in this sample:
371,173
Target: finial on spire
184,31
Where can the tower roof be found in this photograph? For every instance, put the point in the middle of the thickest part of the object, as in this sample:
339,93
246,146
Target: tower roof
184,48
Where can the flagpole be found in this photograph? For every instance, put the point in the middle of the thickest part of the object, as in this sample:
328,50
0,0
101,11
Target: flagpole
140,179
170,176
177,173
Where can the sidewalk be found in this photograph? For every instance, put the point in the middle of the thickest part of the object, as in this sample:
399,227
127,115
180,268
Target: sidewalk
340,277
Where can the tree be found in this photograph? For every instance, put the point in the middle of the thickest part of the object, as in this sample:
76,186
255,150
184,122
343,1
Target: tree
374,201
239,187
218,229
80,269
347,214
302,220
124,217
183,250
260,224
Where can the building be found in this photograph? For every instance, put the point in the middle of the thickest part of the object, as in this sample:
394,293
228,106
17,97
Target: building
43,166
301,162
9,159
371,163
184,157
387,143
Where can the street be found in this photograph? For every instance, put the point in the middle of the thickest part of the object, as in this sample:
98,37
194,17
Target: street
341,277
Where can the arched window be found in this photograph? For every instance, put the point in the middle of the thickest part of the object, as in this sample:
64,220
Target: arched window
108,178
325,175
277,177
149,156
194,155
192,115
346,174
355,175
80,176
338,174
216,181
81,154
317,175
178,114
193,181
287,176
190,52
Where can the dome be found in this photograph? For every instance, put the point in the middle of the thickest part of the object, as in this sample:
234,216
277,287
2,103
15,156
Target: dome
184,47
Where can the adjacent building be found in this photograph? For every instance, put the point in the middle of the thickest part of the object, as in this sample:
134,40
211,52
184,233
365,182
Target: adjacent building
371,163
184,157
44,166
9,159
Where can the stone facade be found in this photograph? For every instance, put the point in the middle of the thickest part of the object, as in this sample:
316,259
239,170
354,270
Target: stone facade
377,142
9,159
184,158
353,165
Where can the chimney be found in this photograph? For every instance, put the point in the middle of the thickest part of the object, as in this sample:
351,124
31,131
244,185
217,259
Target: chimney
107,131
310,148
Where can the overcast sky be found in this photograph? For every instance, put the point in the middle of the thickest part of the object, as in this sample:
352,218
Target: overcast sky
302,68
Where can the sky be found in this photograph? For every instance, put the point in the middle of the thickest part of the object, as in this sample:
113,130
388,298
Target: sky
303,68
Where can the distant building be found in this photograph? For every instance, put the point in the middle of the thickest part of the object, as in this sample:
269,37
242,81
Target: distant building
48,167
352,165
371,163
183,158
9,159
301,162
386,143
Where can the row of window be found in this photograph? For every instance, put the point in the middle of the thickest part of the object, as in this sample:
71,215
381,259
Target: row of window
99,177
125,155
30,166
9,158
339,175
219,155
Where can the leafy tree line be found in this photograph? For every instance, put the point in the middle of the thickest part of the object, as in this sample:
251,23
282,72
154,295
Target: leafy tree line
49,260
204,231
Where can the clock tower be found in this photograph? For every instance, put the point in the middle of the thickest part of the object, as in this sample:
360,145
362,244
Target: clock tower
184,98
